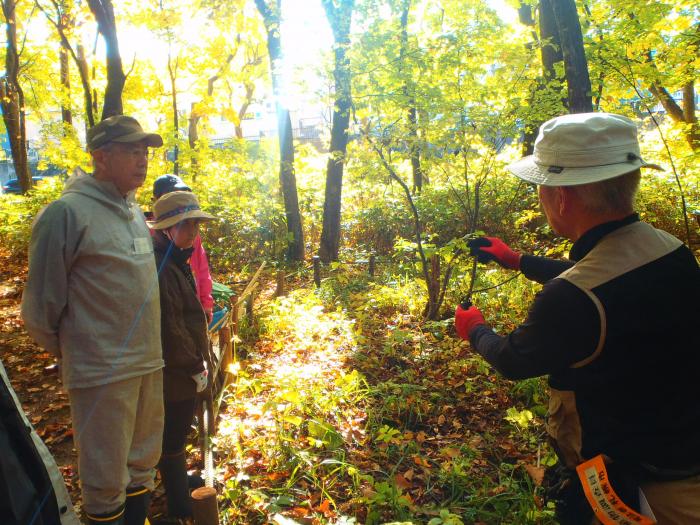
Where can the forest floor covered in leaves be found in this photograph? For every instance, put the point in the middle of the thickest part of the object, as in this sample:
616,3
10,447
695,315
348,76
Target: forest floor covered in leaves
345,409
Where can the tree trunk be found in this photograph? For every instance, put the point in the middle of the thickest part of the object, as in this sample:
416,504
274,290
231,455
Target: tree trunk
412,113
81,61
530,130
288,183
249,91
690,116
415,148
193,136
13,100
550,53
66,113
172,72
680,114
430,266
339,18
106,25
674,110
63,23
192,128
196,116
551,48
432,306
575,64
94,76
253,59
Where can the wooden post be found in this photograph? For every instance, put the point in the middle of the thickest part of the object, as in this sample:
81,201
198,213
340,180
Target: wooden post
233,301
249,307
204,506
226,353
280,291
317,270
372,263
224,346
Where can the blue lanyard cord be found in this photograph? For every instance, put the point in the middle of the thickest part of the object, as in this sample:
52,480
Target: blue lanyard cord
43,501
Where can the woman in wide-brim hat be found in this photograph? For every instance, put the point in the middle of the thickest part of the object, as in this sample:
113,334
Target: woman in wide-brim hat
183,336
175,207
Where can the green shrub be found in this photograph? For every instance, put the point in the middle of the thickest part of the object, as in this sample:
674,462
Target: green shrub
17,213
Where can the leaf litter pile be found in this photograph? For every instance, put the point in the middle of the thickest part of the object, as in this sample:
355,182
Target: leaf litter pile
346,409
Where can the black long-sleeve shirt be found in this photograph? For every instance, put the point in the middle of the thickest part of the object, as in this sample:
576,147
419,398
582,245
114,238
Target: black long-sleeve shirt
623,340
562,326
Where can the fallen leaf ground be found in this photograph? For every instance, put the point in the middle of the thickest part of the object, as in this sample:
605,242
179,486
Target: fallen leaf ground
350,410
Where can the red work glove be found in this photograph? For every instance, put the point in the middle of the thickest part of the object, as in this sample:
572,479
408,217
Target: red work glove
494,249
467,320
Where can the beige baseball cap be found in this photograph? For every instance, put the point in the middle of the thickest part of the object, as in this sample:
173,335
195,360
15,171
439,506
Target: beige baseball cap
120,128
177,206
580,149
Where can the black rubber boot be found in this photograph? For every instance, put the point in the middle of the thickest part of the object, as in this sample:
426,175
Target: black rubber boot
173,470
195,481
138,499
115,517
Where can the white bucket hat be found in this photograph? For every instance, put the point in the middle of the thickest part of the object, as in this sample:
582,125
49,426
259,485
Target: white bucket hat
177,206
580,149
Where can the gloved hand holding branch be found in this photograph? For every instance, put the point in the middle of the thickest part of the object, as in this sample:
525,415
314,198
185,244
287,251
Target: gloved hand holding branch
487,249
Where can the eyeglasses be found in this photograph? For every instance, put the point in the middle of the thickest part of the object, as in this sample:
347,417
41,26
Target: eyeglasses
136,151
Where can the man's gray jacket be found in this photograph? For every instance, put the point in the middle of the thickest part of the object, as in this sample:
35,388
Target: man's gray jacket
92,292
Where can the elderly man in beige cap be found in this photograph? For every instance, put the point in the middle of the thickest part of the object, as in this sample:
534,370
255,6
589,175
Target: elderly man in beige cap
614,328
92,300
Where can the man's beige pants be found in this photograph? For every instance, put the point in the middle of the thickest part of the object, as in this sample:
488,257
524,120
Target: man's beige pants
675,502
118,431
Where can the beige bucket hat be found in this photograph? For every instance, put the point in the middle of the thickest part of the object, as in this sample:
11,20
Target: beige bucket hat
580,149
177,206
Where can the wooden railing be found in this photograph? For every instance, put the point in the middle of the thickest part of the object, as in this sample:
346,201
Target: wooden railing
222,354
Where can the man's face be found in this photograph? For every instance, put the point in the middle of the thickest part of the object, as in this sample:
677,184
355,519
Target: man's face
124,164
